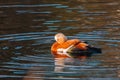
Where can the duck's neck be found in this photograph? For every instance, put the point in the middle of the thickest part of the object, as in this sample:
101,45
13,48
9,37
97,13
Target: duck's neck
62,43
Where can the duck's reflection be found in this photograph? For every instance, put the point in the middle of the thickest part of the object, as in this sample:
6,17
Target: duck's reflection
61,63
43,72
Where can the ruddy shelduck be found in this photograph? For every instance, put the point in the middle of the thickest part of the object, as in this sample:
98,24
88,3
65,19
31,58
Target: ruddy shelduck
75,48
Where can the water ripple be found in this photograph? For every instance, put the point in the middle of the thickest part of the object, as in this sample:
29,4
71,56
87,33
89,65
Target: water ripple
32,12
24,36
39,5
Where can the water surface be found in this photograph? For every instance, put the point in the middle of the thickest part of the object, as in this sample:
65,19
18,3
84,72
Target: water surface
27,30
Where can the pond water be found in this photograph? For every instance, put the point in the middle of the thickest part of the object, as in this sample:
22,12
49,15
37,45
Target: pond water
27,29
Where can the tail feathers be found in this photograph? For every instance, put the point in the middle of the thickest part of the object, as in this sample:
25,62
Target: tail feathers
94,50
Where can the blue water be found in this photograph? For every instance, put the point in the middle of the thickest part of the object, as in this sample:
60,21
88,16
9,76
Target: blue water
27,30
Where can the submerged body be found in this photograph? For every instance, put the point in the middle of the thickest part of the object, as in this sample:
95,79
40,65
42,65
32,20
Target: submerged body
64,48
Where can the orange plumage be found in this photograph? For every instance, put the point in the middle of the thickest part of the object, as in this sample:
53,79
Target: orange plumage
63,43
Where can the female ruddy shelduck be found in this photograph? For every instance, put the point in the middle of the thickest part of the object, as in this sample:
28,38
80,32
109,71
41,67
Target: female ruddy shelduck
64,48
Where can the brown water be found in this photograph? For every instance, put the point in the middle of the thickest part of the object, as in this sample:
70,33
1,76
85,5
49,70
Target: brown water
27,29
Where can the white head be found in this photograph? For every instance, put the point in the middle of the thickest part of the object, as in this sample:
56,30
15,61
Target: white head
60,38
